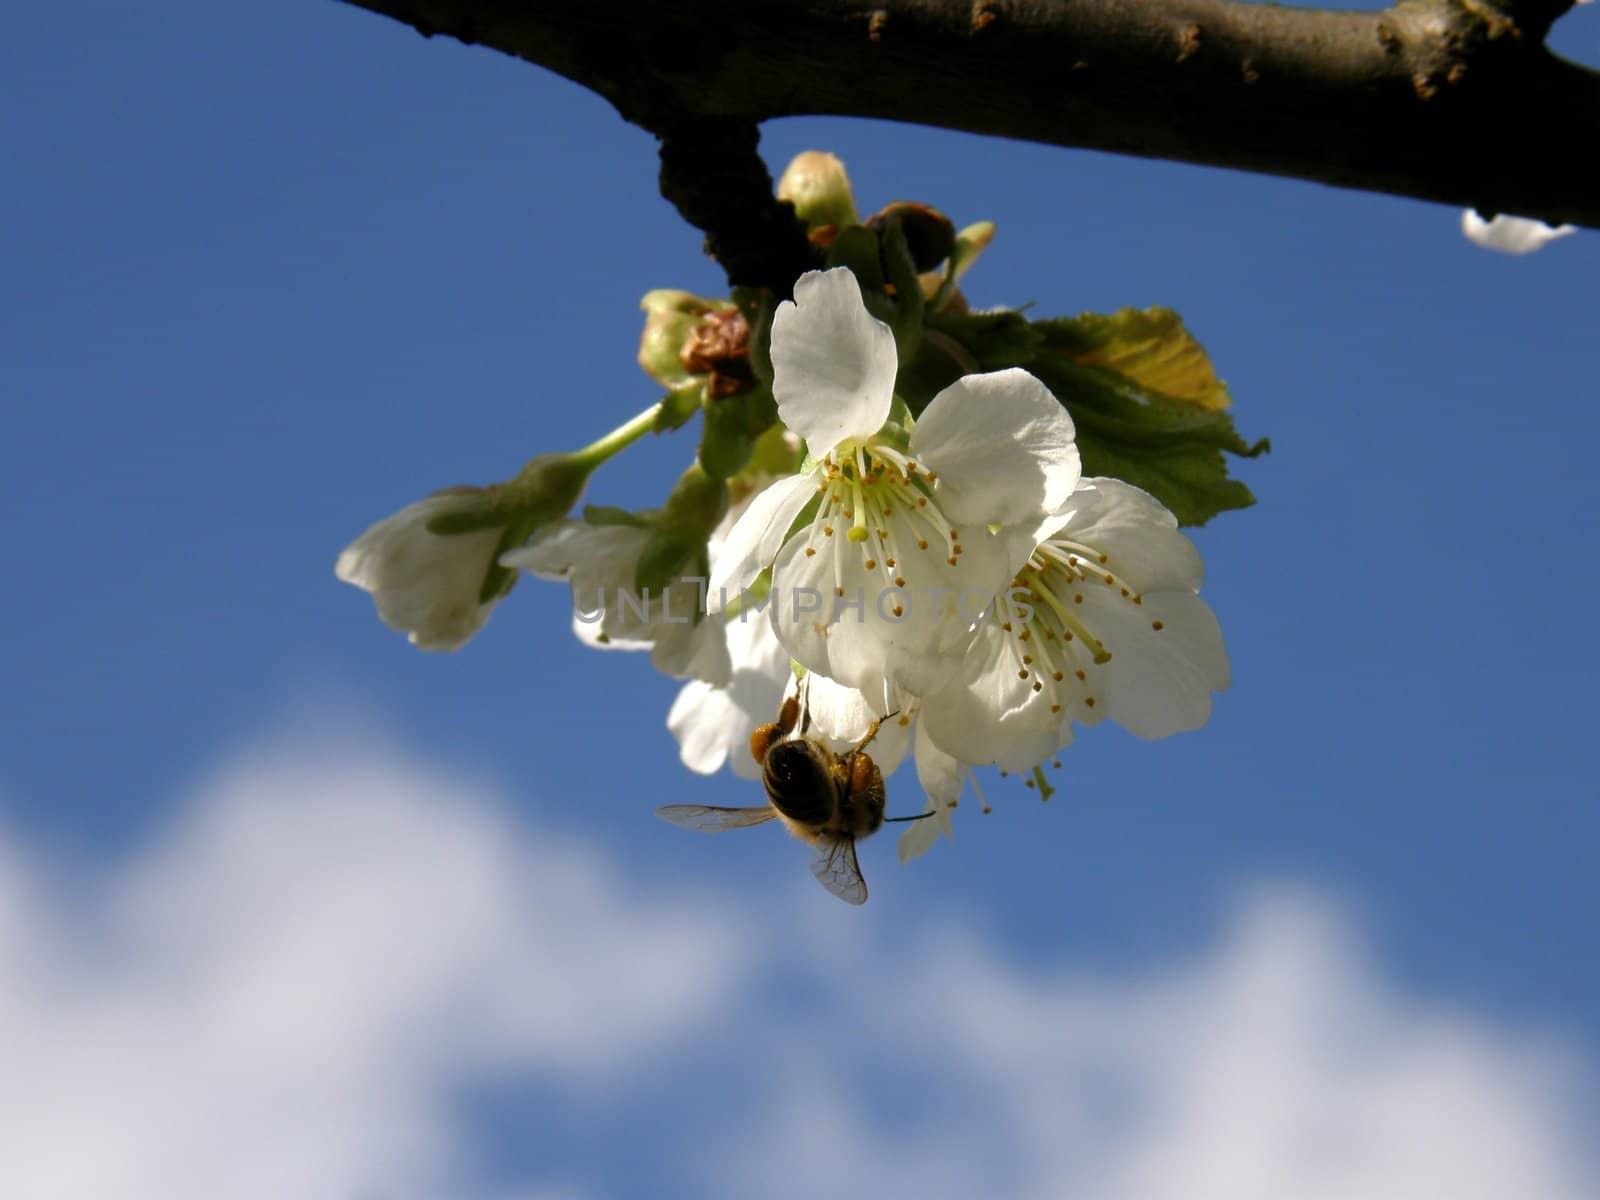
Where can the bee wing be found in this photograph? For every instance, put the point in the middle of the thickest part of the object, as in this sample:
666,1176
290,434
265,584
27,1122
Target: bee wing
836,869
704,818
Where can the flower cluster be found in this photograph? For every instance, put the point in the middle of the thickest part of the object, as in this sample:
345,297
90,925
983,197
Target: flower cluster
956,569
875,520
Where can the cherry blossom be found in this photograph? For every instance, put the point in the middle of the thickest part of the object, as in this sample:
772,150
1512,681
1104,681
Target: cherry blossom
884,553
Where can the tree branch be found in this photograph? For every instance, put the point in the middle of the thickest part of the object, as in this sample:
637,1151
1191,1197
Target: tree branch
1455,101
712,174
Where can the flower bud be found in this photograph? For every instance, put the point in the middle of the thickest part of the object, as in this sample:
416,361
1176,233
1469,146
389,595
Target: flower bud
816,184
671,321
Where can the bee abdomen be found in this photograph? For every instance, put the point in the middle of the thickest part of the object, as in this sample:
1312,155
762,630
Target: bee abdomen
798,782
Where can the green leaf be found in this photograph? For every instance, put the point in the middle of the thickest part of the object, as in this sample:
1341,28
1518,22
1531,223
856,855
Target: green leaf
956,344
1173,450
1003,338
1151,347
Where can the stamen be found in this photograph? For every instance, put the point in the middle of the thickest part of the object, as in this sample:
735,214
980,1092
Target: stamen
1101,655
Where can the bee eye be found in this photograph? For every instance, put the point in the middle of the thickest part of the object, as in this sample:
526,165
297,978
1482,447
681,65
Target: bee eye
798,783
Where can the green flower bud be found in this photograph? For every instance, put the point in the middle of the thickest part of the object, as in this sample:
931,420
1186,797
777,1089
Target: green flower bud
816,184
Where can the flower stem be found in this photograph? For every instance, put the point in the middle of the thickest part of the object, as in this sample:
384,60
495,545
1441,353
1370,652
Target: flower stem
623,436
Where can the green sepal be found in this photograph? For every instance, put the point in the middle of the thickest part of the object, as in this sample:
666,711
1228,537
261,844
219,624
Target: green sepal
856,247
497,580
1172,450
896,431
756,306
773,453
902,273
725,442
679,405
696,504
607,514
732,425
663,561
476,509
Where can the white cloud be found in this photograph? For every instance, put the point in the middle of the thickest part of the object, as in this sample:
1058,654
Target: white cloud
282,995
1277,1064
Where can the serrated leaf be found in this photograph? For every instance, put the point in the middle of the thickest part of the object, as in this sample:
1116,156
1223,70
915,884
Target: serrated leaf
1171,449
1151,347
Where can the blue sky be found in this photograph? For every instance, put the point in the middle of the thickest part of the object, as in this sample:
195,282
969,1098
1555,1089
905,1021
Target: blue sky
272,276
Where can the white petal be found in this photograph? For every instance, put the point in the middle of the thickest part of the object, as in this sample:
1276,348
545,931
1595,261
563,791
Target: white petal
1136,532
841,717
836,616
941,777
754,540
423,584
841,714
713,724
701,718
1002,446
563,548
592,634
993,715
1511,235
691,651
833,364
1158,682
808,617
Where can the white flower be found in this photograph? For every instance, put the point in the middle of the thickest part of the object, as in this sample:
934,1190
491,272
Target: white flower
1511,235
1116,630
599,562
426,585
713,722
903,546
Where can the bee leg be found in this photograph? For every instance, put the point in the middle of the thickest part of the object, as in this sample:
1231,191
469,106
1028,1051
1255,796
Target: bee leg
788,714
872,731
766,736
863,772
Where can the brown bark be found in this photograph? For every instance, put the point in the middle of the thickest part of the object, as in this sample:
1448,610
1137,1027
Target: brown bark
1455,101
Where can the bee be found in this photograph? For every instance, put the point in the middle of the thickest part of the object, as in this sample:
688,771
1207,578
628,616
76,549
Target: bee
823,798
